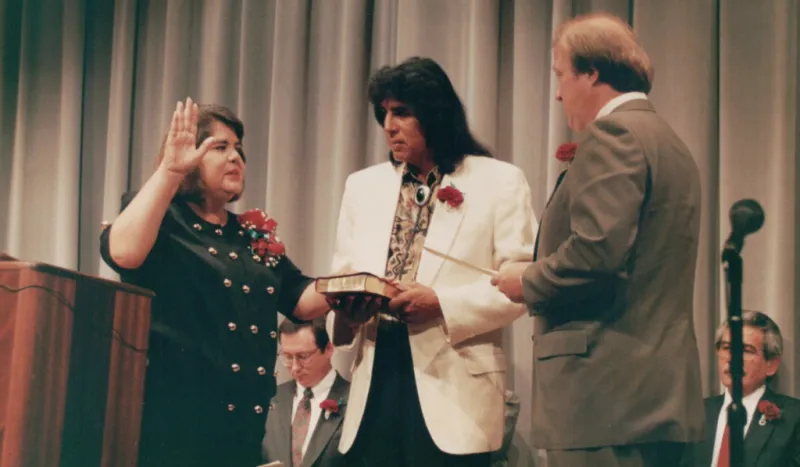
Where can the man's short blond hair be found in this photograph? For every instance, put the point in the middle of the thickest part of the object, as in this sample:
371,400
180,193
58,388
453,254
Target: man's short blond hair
604,43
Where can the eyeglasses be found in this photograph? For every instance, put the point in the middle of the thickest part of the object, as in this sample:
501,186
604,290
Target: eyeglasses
749,352
301,358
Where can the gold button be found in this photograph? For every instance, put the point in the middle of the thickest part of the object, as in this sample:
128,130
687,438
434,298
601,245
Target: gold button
232,326
241,233
235,367
245,289
231,407
258,409
273,334
256,258
213,251
233,255
218,232
262,371
254,329
270,290
197,227
227,282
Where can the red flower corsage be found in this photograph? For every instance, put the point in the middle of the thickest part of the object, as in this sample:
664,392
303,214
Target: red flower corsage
566,152
450,195
263,233
331,407
769,412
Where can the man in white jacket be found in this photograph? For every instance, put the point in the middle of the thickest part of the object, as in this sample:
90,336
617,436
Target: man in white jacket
428,388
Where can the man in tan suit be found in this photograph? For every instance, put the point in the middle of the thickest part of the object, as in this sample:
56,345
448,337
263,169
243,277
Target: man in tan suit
616,368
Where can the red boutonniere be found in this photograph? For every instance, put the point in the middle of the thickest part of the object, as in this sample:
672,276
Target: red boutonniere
450,195
263,233
331,407
769,412
566,152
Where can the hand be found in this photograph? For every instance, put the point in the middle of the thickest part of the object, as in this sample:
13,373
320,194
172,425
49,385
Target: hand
416,304
181,155
509,280
356,309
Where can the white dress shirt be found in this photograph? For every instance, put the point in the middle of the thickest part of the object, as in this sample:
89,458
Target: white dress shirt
321,391
750,402
618,101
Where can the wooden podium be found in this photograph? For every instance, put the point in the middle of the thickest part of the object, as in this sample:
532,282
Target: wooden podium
72,366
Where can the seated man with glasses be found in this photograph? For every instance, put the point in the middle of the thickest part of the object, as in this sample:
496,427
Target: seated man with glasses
772,425
305,416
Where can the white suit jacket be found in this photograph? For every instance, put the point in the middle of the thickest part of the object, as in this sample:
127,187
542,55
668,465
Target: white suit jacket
458,361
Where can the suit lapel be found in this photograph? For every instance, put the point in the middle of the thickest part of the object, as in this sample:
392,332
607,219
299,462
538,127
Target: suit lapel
539,230
712,408
284,400
757,434
325,428
441,233
382,207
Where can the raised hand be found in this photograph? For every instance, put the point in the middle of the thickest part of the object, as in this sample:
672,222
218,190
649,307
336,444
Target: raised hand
181,155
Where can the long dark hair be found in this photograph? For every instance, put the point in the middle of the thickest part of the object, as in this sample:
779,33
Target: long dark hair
422,85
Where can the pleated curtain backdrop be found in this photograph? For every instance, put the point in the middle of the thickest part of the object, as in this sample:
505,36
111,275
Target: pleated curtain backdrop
88,86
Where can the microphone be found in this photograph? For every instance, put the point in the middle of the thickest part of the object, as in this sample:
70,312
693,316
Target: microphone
747,217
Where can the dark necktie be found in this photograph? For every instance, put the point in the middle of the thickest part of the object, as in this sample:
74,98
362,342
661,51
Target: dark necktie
300,426
539,229
725,449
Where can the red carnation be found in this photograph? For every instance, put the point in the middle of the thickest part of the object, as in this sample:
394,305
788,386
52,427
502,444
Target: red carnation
260,246
330,405
276,248
269,226
566,152
769,411
450,195
252,217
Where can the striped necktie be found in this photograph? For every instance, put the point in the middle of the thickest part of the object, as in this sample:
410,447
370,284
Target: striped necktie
300,426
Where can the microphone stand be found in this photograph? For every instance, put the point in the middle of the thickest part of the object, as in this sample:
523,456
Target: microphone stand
736,411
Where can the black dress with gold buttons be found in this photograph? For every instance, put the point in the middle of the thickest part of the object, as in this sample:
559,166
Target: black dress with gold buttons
212,342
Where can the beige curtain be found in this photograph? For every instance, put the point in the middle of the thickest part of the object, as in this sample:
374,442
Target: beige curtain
87,87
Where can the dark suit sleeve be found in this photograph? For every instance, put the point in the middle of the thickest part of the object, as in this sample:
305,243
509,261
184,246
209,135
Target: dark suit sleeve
794,445
152,263
293,284
606,189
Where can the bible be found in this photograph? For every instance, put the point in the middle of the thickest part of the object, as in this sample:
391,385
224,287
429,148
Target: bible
358,283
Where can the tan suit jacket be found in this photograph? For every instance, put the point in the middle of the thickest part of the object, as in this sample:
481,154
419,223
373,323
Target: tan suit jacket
459,365
616,358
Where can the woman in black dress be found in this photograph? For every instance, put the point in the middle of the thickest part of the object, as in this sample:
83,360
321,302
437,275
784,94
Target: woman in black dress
220,281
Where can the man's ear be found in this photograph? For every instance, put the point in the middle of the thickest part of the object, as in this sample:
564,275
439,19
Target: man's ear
772,366
593,76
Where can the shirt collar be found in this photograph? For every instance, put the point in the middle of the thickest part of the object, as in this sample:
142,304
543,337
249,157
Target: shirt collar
323,387
411,173
750,401
618,101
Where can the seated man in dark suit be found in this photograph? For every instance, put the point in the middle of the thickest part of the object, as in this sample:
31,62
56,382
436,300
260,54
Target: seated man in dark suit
305,416
772,427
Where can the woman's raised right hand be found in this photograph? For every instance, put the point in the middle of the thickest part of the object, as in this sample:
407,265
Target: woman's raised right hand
181,155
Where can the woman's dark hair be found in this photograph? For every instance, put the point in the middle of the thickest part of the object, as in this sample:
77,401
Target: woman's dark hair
422,85
192,186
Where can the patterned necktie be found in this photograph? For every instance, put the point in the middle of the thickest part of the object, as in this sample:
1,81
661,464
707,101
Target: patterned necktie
300,426
725,449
